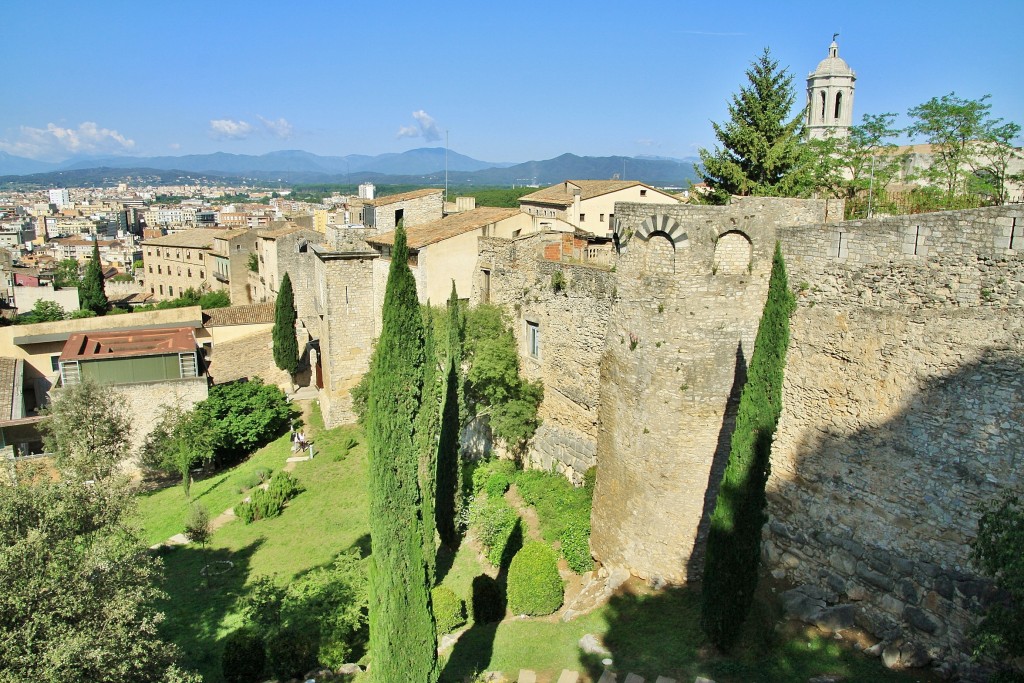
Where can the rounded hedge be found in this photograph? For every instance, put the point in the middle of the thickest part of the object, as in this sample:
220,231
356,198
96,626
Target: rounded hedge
244,657
449,609
534,586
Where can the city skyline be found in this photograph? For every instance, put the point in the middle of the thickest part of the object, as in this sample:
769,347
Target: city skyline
505,85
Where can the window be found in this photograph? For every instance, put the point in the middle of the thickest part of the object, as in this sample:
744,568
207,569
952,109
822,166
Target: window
190,272
839,104
151,269
170,290
159,270
157,252
202,274
643,193
161,290
822,106
188,254
583,217
533,339
602,218
485,286
55,362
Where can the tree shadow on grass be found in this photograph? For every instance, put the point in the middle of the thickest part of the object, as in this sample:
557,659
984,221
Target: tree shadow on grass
198,600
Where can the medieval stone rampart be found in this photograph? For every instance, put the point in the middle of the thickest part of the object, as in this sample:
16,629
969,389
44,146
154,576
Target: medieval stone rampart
903,410
691,283
571,324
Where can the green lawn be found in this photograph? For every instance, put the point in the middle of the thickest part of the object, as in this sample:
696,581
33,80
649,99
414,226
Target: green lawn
651,634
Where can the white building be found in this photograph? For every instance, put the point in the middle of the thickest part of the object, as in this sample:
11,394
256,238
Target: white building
830,97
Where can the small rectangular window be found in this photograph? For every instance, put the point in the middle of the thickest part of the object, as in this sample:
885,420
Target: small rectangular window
485,287
161,290
55,362
643,193
583,217
170,290
602,218
533,339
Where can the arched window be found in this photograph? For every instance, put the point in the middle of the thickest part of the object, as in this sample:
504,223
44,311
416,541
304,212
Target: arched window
839,104
823,106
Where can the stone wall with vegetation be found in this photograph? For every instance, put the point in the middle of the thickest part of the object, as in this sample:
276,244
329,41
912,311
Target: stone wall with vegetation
904,399
249,356
569,303
690,287
148,401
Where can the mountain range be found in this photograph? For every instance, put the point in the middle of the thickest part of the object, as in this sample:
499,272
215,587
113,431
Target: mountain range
424,165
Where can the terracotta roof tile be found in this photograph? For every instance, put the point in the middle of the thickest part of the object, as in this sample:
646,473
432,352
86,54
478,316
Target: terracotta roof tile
449,226
249,314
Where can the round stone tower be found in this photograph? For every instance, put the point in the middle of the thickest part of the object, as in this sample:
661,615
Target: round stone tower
830,96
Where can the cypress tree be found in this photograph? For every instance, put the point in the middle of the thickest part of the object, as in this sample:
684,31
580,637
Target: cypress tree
286,346
427,423
92,295
403,641
734,540
761,150
448,470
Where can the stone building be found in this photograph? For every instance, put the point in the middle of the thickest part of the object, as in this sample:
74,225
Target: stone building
232,250
204,259
411,208
830,97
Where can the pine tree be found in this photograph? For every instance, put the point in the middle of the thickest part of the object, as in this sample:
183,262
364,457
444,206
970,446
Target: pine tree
403,640
761,150
734,541
448,470
286,346
92,295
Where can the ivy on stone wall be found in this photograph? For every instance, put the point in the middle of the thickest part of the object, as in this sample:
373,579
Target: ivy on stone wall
733,550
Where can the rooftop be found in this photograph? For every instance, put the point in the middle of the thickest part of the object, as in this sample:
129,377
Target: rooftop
405,196
198,238
449,226
249,314
562,193
128,344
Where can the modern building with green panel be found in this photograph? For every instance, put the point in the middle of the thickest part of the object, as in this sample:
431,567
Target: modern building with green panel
130,357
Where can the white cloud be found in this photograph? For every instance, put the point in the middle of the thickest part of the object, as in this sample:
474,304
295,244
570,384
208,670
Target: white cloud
425,127
280,128
55,142
228,129
175,145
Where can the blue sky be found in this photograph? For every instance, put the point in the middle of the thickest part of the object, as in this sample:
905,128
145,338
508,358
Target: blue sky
509,81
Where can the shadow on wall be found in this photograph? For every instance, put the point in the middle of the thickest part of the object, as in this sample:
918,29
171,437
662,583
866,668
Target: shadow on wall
884,515
695,563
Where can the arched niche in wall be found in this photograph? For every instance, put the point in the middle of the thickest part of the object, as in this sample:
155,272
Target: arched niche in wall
733,253
660,253
659,223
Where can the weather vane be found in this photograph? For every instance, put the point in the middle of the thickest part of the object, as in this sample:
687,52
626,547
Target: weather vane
834,36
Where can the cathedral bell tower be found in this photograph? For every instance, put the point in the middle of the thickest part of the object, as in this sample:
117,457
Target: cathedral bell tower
830,96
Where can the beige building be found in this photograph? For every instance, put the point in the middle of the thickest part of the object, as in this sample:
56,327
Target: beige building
174,263
412,208
231,254
446,250
588,204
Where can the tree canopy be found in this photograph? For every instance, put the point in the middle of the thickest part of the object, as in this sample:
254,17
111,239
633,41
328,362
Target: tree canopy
286,346
92,295
761,142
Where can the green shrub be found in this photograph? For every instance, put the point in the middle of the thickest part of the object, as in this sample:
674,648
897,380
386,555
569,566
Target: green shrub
244,657
497,484
269,502
488,601
255,478
449,609
534,585
291,652
498,528
558,503
197,524
346,445
244,511
575,541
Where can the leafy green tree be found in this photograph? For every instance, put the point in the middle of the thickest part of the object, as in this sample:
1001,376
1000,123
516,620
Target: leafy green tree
959,131
43,311
66,274
286,346
403,640
181,440
761,152
997,551
92,295
993,157
79,589
246,415
448,470
494,387
254,262
734,540
87,429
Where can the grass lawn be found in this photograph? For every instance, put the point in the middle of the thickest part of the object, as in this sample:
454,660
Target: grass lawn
650,634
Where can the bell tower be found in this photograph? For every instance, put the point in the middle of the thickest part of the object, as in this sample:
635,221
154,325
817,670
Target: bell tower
830,96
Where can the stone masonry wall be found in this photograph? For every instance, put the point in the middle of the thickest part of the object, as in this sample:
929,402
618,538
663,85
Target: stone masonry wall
147,402
903,410
348,306
572,325
246,357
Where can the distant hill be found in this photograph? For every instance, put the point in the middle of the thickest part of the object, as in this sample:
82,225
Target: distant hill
424,166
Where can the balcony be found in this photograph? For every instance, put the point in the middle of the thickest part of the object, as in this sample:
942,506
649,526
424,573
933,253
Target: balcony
221,277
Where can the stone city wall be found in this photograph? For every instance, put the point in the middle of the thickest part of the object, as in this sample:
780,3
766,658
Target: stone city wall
903,410
245,357
147,402
572,326
691,283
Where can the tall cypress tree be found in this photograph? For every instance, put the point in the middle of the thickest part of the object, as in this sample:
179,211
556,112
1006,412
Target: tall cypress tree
92,295
286,346
761,150
734,540
427,424
448,470
403,640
